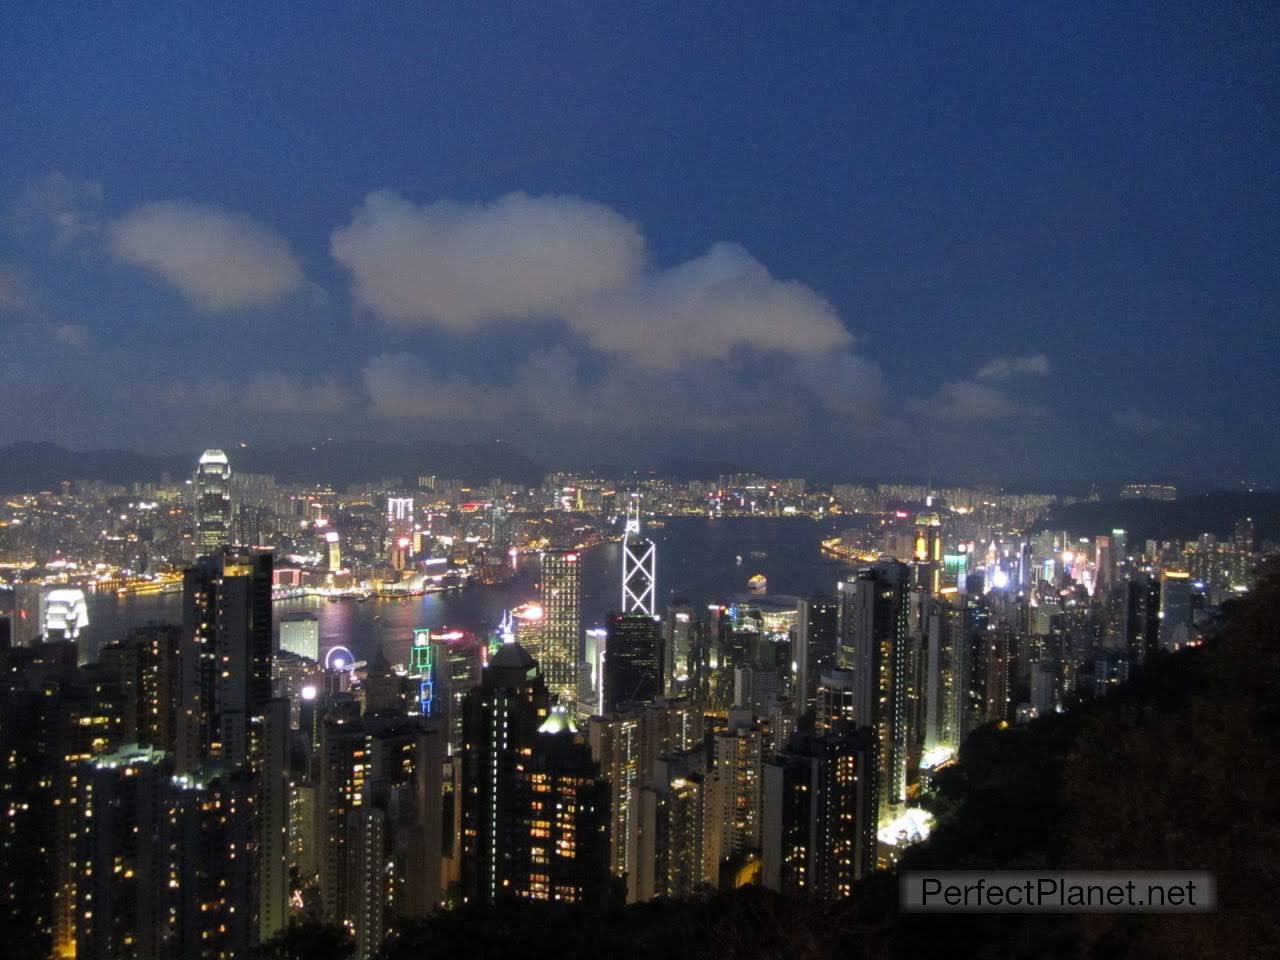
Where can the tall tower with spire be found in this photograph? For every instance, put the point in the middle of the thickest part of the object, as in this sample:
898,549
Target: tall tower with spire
639,565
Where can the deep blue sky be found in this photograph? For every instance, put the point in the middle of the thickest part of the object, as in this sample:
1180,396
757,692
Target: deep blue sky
1092,191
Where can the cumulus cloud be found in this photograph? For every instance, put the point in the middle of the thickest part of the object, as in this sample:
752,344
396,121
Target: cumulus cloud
705,308
964,401
462,266
66,208
1001,368
218,259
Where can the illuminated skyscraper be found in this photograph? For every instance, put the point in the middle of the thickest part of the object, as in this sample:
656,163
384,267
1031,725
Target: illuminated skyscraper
874,637
1175,609
817,631
300,634
225,656
561,623
819,815
535,811
639,565
213,502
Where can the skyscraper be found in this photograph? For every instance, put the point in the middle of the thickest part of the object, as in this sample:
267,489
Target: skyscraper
819,815
817,633
639,566
535,813
632,660
225,656
874,633
213,502
300,634
562,623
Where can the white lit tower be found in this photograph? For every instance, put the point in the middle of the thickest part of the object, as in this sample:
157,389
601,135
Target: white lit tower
639,565
213,502
399,530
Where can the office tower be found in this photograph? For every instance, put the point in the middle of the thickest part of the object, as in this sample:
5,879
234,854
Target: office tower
874,635
1142,617
63,613
399,520
680,626
1175,609
225,656
632,660
1119,548
639,566
333,549
535,811
561,623
817,635
213,502
819,815
300,634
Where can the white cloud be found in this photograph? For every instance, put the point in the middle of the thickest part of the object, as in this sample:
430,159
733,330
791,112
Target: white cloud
462,266
705,308
1001,368
218,259
65,207
963,401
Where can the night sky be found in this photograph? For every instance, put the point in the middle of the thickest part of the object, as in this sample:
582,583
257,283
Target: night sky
1027,242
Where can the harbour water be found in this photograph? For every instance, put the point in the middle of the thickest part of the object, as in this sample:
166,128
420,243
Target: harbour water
697,561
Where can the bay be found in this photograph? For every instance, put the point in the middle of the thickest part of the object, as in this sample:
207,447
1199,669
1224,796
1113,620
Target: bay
697,563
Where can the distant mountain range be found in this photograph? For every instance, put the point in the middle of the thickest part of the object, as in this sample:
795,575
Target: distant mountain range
42,466
1181,519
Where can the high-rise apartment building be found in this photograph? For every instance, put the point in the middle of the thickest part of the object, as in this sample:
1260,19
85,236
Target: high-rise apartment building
816,637
874,639
535,810
225,656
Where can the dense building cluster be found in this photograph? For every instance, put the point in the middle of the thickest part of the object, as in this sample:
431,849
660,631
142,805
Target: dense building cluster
201,784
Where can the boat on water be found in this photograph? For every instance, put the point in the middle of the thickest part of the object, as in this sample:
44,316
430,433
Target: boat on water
758,583
759,554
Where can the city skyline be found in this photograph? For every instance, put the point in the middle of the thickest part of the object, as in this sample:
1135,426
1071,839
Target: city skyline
811,237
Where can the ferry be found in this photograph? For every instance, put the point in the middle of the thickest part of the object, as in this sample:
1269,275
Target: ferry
758,583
